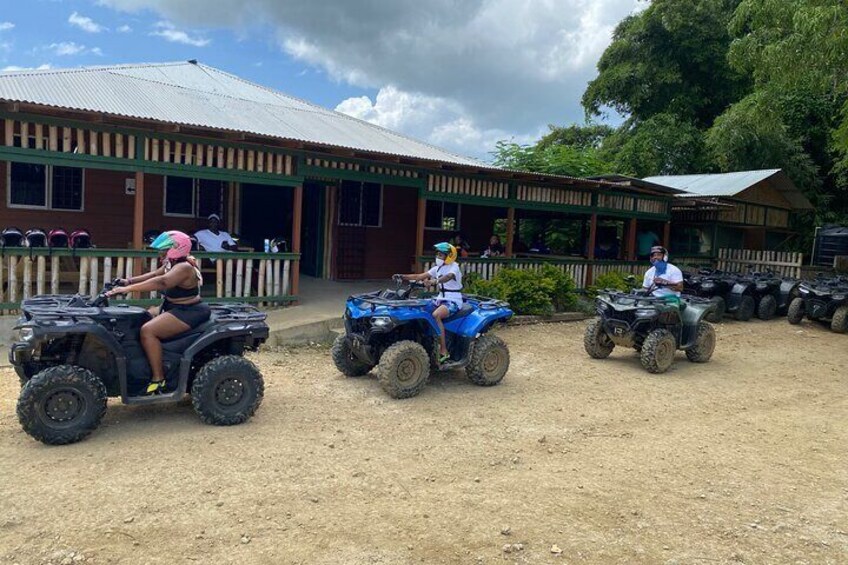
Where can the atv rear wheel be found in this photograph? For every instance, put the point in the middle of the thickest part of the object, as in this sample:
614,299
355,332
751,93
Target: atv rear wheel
658,351
62,404
717,315
839,322
796,311
345,361
596,342
227,391
704,345
746,308
489,361
767,308
404,369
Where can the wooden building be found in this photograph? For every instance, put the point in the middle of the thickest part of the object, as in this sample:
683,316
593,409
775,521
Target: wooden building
123,150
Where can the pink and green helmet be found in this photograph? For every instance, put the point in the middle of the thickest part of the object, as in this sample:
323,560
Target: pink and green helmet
176,244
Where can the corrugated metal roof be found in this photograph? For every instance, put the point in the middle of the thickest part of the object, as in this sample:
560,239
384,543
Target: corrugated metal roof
191,94
723,184
731,184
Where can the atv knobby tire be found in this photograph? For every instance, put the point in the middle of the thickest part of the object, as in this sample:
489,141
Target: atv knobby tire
767,308
704,345
345,361
717,315
746,308
658,351
596,342
489,361
796,311
839,322
404,369
62,404
227,391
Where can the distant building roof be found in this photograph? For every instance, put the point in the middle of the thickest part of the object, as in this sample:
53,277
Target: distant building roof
193,94
732,184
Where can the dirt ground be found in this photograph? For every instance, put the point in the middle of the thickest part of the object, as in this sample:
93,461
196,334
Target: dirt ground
569,460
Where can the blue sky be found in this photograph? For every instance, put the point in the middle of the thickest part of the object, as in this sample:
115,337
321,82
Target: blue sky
461,74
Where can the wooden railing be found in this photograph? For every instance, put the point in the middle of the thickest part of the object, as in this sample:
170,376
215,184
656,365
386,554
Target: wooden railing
583,271
784,263
263,278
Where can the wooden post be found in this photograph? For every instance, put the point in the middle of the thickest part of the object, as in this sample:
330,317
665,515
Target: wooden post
631,241
590,252
419,233
666,234
510,231
138,219
296,223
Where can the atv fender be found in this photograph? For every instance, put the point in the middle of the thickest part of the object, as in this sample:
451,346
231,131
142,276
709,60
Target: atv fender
734,297
691,316
478,322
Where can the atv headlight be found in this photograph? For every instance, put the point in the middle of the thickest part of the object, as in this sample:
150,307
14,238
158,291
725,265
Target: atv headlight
762,286
646,313
26,334
381,322
707,285
839,297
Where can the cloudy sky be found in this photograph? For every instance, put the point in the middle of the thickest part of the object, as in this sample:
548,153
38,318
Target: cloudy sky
461,74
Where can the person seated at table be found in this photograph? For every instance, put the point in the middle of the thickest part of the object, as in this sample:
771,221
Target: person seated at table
495,248
462,246
539,245
214,238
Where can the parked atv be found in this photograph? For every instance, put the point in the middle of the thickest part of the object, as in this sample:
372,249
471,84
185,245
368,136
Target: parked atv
772,293
394,331
822,300
73,352
654,327
717,287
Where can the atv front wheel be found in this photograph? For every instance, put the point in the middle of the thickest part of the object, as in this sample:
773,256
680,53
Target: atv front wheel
796,311
717,315
658,351
704,345
62,404
767,308
596,342
346,362
839,322
489,361
227,391
404,369
746,308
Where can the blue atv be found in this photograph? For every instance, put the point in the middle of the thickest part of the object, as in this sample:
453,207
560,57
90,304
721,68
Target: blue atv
394,331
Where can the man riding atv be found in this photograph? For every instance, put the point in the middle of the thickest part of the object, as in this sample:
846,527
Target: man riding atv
447,277
663,279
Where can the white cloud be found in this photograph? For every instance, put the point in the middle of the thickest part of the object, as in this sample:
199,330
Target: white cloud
69,48
4,26
43,67
509,66
167,31
124,29
85,23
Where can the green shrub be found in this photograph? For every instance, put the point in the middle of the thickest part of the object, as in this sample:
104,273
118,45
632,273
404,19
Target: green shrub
535,292
613,280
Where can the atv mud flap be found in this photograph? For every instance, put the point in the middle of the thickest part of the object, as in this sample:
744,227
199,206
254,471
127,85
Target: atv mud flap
619,332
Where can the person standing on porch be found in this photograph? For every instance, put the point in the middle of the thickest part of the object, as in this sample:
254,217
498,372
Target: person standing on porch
214,238
446,276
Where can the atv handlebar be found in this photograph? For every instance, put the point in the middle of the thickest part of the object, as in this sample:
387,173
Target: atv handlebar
101,300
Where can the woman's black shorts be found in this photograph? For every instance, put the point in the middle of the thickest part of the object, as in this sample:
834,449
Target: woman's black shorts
192,315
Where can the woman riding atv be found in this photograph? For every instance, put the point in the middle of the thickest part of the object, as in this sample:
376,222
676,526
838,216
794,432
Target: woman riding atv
447,277
179,280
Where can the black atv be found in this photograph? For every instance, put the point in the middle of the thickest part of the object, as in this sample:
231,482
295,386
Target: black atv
717,286
822,300
72,352
654,327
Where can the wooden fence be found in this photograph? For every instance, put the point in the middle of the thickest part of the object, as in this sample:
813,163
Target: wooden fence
582,271
784,263
247,277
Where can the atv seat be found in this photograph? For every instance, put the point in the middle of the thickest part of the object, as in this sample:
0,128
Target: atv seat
463,312
181,342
